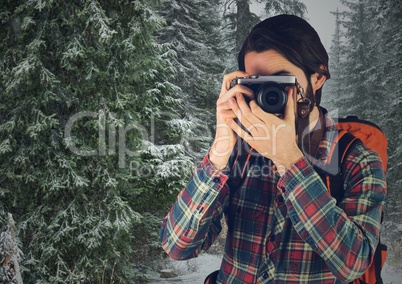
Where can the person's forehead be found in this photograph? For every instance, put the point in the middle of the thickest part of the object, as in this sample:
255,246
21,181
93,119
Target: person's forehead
269,62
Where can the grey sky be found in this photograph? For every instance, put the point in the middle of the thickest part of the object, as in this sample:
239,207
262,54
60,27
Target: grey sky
319,16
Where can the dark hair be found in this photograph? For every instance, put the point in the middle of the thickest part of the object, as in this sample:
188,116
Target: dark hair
295,39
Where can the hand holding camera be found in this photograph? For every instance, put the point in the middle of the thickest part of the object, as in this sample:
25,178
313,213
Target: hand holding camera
267,123
225,138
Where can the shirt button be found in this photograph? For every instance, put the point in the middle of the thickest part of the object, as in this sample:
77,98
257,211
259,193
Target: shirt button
216,179
280,199
293,216
265,275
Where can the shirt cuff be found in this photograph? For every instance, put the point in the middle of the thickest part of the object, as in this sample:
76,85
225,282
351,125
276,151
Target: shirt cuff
294,176
212,174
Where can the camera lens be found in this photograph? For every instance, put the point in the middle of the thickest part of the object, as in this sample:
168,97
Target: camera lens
272,98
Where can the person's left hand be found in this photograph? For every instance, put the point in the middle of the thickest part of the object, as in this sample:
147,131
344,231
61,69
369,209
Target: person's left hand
269,135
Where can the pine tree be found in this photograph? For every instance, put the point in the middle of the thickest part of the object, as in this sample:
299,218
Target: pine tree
183,136
192,30
81,84
333,88
389,70
370,88
359,85
293,7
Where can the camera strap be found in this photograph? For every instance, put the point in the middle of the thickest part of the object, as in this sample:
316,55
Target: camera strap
303,125
308,141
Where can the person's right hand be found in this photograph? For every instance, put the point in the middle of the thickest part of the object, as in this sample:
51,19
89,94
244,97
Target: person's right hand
225,137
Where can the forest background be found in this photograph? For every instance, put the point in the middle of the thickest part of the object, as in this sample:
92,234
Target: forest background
107,106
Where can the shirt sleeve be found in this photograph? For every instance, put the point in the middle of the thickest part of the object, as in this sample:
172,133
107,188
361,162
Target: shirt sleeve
194,221
345,236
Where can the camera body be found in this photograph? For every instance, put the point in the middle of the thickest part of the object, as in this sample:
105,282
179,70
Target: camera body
269,91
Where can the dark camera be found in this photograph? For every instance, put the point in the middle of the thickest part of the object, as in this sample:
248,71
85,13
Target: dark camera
269,91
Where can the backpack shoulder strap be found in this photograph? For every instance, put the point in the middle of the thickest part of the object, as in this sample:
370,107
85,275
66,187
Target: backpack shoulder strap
333,178
369,133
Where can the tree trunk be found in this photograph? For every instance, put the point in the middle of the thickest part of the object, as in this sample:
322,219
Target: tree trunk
244,21
9,255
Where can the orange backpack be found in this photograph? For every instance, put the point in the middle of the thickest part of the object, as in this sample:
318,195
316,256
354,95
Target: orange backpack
352,129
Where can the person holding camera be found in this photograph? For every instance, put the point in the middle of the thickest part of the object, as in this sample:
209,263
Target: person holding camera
261,173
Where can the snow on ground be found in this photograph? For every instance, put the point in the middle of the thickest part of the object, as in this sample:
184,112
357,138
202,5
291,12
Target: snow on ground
390,275
195,270
192,271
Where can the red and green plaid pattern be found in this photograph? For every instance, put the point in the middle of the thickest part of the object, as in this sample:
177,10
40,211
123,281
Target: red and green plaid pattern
285,229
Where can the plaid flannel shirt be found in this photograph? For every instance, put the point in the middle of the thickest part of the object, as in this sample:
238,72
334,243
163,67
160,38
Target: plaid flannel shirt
285,229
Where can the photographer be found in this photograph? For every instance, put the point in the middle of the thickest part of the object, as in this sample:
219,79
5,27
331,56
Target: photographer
261,174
